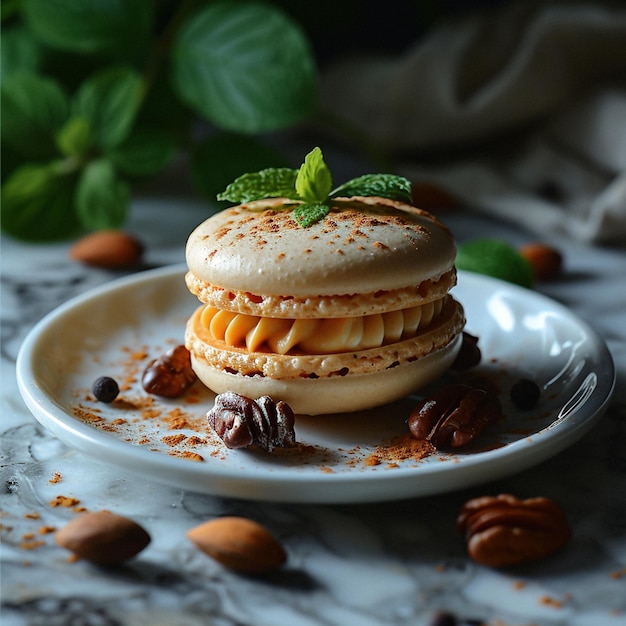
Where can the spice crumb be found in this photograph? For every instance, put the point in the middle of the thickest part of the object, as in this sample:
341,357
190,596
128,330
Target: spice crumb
56,478
65,501
32,545
548,601
174,440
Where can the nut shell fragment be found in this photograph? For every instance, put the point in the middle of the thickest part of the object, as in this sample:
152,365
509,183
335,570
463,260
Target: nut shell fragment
240,544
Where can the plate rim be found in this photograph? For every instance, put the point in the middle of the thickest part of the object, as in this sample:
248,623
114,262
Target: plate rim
226,481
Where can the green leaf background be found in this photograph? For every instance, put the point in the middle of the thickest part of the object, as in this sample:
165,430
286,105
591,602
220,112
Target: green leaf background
245,66
96,95
33,109
85,26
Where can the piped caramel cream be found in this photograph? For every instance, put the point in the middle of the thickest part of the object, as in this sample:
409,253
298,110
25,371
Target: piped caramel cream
315,336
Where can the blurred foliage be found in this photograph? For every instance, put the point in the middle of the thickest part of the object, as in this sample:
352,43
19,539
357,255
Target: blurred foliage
97,95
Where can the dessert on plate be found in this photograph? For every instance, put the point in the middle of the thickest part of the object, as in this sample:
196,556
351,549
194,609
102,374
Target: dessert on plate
332,301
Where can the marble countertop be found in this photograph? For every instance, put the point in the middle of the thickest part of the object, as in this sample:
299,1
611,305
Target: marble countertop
391,563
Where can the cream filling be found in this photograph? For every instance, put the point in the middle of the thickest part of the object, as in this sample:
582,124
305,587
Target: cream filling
317,336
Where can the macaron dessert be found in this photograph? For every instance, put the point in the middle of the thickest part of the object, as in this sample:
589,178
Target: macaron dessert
330,300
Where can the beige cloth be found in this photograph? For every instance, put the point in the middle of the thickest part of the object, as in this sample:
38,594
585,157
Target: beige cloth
501,108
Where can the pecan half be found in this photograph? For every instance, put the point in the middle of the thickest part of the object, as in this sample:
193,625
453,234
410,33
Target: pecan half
170,375
240,421
503,530
454,415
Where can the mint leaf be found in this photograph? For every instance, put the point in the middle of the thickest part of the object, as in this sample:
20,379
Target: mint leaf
101,197
37,203
383,185
308,214
109,101
269,183
245,66
310,186
314,181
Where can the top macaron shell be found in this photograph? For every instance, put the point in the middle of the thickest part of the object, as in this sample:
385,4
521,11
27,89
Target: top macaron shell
259,248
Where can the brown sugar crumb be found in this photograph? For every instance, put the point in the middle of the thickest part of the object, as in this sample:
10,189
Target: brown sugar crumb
56,478
119,421
46,530
33,515
79,509
65,501
174,440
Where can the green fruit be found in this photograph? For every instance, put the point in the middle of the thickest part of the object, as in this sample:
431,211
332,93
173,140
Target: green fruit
496,258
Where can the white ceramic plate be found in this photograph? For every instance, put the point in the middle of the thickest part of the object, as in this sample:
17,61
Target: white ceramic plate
116,329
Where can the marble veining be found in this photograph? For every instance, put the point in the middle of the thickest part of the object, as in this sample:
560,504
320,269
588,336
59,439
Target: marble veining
395,563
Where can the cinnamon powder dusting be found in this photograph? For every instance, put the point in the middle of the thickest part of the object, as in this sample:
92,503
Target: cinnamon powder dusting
402,448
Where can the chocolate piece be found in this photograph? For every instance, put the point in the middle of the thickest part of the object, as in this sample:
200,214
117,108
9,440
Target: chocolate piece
170,375
454,415
240,421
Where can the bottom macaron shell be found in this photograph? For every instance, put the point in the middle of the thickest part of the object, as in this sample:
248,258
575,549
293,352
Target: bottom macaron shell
336,394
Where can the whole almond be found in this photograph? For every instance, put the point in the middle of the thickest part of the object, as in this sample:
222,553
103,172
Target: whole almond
108,249
545,261
103,537
240,544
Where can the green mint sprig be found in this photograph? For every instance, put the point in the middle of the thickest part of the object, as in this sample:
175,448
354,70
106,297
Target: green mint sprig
310,188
